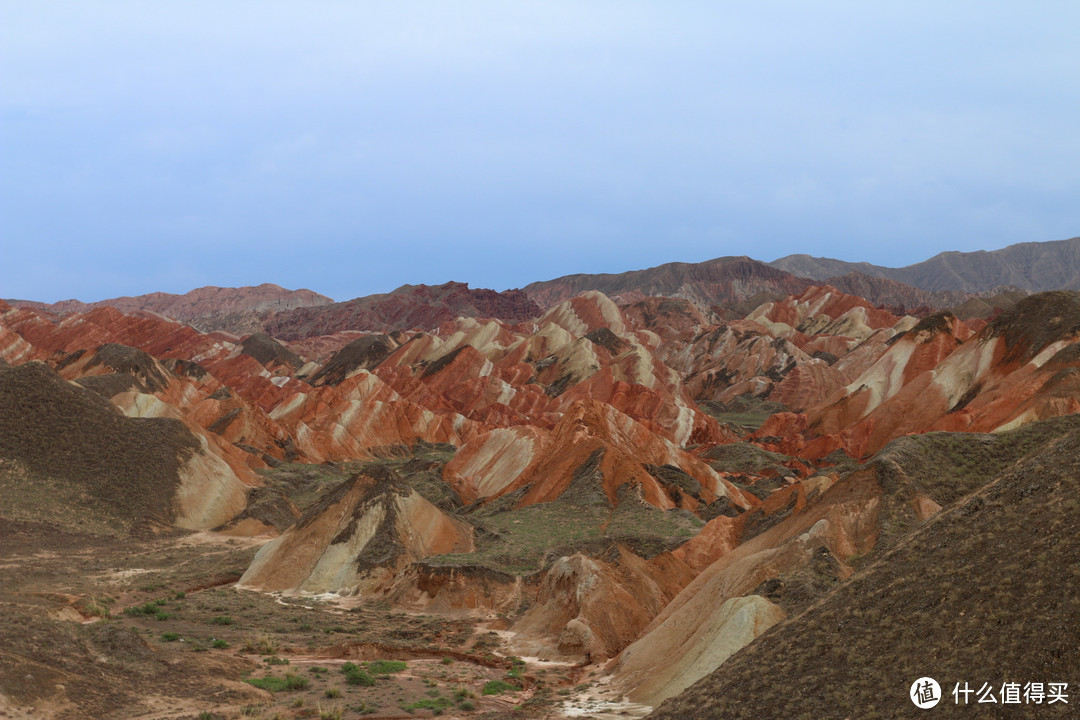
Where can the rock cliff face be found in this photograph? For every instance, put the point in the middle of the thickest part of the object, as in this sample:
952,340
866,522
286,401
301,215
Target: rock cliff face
940,376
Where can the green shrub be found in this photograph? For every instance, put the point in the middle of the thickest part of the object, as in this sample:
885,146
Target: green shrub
356,676
222,620
162,615
219,644
170,636
517,668
385,667
150,608
498,687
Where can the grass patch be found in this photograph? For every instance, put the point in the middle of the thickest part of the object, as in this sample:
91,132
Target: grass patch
355,675
275,684
385,667
529,539
498,687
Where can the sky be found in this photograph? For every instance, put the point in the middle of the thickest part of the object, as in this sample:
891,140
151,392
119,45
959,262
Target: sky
352,147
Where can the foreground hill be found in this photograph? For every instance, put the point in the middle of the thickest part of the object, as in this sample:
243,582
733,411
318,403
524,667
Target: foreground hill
978,594
1032,266
68,455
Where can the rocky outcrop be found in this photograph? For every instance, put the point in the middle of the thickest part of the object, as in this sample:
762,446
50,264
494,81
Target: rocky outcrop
356,539
572,615
938,376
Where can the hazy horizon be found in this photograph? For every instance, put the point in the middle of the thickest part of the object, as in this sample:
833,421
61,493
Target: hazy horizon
396,287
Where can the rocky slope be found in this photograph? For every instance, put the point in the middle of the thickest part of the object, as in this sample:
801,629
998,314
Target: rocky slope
60,443
923,606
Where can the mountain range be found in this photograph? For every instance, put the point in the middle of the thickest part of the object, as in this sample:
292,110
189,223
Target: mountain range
723,285
1031,266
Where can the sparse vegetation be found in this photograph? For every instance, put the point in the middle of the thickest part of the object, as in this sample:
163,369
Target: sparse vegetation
498,687
273,683
385,667
262,644
354,675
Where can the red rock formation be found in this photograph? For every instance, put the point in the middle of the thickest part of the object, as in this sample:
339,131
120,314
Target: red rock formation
356,539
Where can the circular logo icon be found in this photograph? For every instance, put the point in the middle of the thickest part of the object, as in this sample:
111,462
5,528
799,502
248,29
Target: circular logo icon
925,693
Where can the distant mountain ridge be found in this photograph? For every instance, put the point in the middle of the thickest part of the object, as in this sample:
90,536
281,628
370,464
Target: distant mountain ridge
410,307
975,283
199,307
1031,266
729,282
724,280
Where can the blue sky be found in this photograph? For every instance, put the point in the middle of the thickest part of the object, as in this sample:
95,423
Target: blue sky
356,146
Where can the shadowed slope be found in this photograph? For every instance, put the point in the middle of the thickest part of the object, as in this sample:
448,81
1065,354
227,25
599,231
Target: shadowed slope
979,593
57,435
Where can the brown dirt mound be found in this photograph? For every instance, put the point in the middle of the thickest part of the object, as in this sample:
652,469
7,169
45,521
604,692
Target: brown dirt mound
267,350
362,354
1036,321
113,384
129,360
58,430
